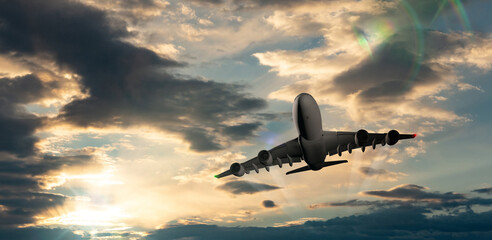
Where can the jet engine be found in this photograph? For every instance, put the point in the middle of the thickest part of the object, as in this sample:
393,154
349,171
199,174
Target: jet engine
237,169
265,157
361,137
392,137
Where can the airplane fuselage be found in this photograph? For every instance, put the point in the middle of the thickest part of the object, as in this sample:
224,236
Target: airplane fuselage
312,143
307,119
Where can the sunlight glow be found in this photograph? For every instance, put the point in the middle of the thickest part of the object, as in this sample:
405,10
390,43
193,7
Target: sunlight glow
109,216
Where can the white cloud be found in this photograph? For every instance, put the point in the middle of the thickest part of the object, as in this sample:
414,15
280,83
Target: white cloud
336,73
466,87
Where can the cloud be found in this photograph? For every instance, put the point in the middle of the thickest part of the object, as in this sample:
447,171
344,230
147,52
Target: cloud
134,11
23,192
269,204
17,126
466,86
475,52
408,211
483,190
248,5
381,174
127,85
245,187
392,76
413,192
413,151
242,131
38,233
385,84
410,195
351,203
398,222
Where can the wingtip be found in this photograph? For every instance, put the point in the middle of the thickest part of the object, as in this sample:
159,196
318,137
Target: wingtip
414,135
216,176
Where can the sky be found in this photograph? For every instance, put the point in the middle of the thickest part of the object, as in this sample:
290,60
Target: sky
116,115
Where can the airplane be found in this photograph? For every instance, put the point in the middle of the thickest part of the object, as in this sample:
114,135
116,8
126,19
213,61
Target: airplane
313,144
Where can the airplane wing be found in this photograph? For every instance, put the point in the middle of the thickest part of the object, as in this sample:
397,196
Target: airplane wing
285,153
338,142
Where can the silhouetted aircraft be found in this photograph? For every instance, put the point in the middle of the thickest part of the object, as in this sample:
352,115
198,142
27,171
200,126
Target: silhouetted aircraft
313,144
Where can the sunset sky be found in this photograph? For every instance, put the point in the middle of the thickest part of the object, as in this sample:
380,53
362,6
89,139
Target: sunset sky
116,115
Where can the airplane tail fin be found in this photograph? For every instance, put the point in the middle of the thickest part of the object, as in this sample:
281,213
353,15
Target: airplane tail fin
325,164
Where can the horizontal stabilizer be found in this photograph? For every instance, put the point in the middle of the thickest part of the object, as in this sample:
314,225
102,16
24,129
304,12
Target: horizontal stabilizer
325,164
331,163
302,169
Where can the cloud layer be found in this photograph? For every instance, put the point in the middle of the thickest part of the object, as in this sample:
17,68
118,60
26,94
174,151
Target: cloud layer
399,222
410,195
378,63
127,85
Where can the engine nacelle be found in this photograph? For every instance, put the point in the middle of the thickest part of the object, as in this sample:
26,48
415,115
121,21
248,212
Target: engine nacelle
392,137
237,169
265,157
361,137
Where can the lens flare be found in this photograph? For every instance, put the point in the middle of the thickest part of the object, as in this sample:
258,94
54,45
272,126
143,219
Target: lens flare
439,10
362,40
419,40
384,29
460,11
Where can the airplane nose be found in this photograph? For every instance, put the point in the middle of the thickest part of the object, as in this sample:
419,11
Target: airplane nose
303,95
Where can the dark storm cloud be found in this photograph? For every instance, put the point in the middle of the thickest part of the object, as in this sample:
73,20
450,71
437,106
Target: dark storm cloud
386,76
356,203
16,129
245,187
25,89
21,193
32,233
209,2
269,204
369,171
242,131
138,3
200,140
404,61
483,190
392,223
414,192
128,85
17,126
411,195
446,205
